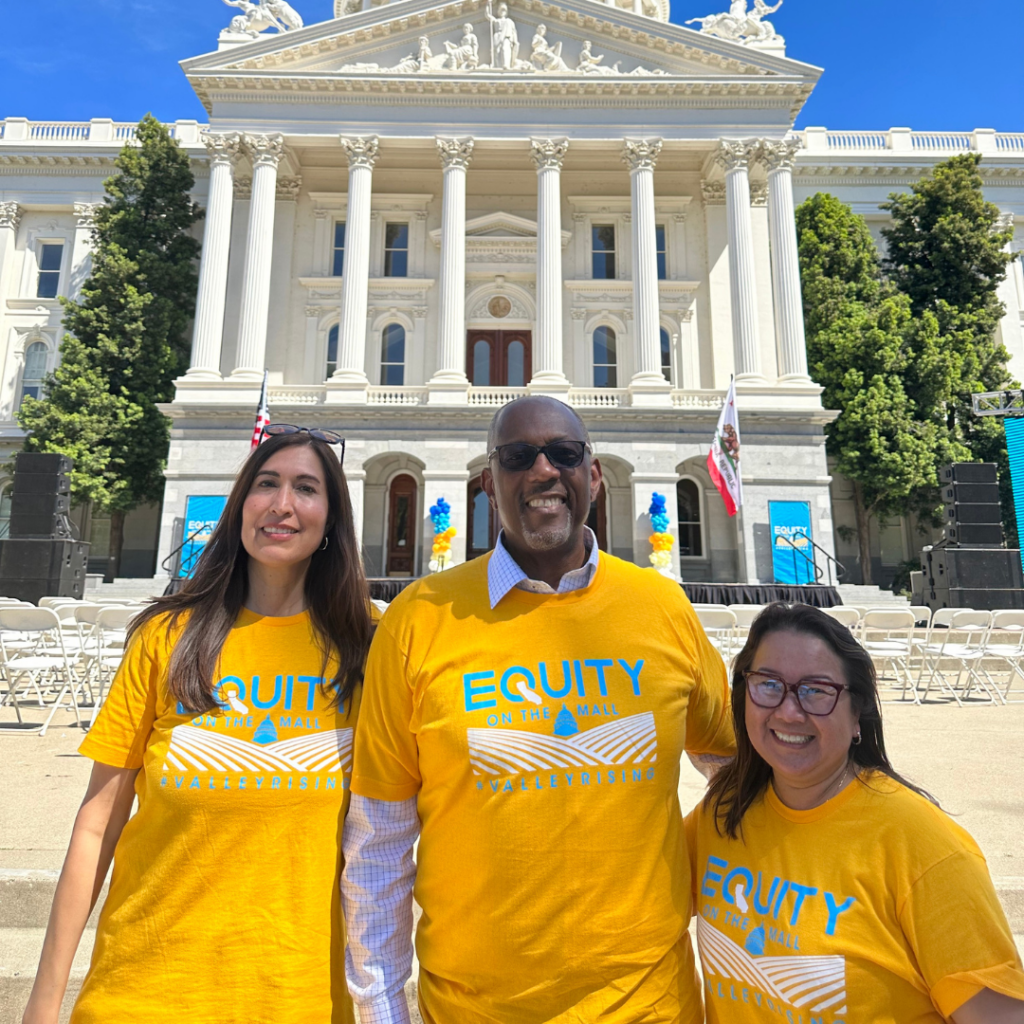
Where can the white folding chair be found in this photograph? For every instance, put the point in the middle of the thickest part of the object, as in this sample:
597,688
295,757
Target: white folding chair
1005,645
888,636
962,643
746,613
719,625
922,615
42,666
843,613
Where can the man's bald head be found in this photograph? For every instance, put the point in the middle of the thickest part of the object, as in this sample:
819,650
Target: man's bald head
522,405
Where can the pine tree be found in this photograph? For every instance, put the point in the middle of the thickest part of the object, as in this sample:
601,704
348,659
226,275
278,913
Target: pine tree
861,342
127,335
946,254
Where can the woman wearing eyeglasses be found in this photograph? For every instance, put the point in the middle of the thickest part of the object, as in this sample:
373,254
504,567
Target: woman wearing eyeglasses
826,886
231,719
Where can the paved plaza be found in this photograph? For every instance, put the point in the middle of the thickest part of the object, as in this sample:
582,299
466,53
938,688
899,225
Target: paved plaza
971,759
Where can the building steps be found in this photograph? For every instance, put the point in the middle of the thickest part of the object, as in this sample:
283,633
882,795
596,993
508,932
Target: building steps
136,589
870,596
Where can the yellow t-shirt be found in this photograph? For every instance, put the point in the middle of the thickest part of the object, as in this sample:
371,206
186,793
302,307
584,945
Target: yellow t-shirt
542,739
224,900
874,907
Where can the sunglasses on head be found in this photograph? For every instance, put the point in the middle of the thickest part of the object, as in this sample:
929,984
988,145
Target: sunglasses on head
327,436
519,456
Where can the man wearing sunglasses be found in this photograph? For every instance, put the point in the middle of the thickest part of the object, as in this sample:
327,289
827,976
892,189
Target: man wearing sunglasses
525,714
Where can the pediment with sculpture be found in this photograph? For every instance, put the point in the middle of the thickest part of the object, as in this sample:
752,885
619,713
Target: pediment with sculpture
502,37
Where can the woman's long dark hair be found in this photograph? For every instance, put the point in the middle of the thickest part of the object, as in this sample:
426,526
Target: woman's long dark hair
336,593
743,780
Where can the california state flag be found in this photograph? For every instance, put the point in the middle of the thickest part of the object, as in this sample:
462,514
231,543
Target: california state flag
724,457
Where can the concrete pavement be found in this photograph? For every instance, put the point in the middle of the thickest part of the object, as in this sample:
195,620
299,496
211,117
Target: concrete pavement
971,759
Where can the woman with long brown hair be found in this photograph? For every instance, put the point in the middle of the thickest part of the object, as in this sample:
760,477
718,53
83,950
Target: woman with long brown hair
827,887
231,719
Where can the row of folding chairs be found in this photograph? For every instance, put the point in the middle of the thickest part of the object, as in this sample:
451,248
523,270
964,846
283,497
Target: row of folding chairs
61,654
964,654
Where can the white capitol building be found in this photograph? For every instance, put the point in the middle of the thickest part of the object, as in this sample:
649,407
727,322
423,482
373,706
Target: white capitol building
420,209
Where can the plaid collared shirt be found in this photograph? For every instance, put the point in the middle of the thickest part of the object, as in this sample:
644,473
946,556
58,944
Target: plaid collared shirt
504,573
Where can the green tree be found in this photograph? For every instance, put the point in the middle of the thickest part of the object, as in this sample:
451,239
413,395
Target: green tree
861,341
947,255
126,340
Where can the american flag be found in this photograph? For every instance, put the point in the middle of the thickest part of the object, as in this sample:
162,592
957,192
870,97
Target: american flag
262,415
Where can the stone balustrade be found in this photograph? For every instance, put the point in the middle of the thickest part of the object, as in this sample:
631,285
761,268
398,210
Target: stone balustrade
99,131
904,140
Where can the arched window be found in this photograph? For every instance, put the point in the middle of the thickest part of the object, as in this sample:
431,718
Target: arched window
483,522
666,355
5,511
332,352
482,363
688,501
35,370
605,365
402,496
516,364
392,355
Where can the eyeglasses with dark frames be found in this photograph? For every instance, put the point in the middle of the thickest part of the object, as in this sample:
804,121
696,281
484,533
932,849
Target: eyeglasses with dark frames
519,456
327,436
815,696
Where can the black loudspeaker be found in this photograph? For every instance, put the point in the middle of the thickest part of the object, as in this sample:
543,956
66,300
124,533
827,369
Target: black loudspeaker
31,569
969,473
45,463
976,568
973,514
983,536
26,526
961,494
47,504
43,483
981,600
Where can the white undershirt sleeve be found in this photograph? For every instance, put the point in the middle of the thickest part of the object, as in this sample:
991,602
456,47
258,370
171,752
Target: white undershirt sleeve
376,892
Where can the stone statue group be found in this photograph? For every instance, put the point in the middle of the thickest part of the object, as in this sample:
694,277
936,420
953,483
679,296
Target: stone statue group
263,15
740,25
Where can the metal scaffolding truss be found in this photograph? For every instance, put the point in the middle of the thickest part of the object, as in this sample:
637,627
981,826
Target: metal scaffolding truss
999,403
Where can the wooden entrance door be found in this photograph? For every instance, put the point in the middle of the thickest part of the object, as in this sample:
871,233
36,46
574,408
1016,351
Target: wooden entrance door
598,518
499,358
483,522
401,525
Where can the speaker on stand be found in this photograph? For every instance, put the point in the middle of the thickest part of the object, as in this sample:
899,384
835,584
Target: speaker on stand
970,567
41,556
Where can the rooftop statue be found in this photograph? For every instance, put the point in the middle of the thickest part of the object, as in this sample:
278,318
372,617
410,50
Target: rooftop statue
505,42
740,25
263,15
464,55
590,63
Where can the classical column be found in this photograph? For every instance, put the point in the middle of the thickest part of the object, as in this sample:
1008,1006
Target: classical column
640,156
81,252
208,333
455,155
265,151
548,155
10,219
786,297
362,154
734,155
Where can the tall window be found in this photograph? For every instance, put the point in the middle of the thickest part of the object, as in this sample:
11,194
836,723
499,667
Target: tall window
332,352
5,511
516,364
51,255
688,500
666,355
338,261
35,371
481,363
396,250
605,368
392,355
602,244
659,234
483,522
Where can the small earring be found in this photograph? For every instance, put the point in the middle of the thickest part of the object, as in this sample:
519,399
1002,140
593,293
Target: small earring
323,547
856,740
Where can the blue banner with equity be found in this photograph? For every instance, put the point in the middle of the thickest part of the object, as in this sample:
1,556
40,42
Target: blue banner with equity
792,554
202,513
1015,449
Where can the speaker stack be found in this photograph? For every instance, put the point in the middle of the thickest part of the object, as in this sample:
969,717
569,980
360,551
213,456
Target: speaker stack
971,568
40,557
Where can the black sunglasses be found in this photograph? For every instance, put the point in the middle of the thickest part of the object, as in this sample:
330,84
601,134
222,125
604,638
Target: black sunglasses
519,456
327,436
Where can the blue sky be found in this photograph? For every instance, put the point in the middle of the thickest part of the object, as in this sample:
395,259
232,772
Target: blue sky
925,66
